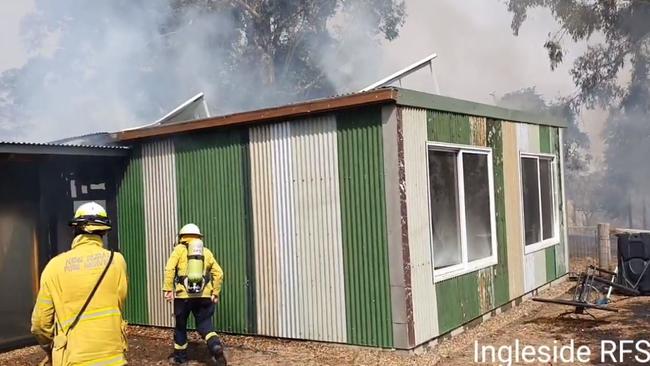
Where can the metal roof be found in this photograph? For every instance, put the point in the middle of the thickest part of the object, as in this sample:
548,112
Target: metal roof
399,96
35,148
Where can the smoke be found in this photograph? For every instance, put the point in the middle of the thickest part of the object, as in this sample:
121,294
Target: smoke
116,64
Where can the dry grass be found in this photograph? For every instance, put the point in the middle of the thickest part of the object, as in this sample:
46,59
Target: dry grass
532,322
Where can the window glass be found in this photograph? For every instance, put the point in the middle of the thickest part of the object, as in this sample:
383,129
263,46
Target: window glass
477,206
444,208
530,187
546,191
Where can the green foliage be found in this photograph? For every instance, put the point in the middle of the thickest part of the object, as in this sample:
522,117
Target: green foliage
625,28
284,40
612,74
113,63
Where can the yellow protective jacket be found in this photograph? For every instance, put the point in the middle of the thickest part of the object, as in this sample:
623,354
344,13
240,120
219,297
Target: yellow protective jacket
177,266
99,338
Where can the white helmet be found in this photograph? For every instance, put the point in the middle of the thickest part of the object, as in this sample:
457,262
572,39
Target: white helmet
190,229
91,217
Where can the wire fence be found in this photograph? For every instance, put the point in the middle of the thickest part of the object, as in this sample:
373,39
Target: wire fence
584,250
583,247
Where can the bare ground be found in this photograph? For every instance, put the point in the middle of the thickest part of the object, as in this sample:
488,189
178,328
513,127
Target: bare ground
532,323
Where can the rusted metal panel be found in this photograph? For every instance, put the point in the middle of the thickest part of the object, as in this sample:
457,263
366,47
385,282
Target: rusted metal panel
400,304
478,126
513,209
425,311
486,290
161,224
297,110
297,230
500,290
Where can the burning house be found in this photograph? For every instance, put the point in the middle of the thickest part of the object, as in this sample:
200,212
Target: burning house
384,218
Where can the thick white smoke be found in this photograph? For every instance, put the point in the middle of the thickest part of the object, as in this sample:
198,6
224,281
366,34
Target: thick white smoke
121,63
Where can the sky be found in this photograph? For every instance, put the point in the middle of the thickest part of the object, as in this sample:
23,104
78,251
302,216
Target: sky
479,58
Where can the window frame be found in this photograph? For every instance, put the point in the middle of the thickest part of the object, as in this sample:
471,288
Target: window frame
555,239
465,266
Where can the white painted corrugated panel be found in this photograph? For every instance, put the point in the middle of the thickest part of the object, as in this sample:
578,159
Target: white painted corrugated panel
528,138
262,153
297,230
425,313
534,263
161,225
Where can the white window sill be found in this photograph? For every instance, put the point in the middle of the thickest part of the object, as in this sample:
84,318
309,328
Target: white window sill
459,270
531,248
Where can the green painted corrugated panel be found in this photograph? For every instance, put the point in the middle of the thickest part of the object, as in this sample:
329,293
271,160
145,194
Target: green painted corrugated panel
459,301
448,127
501,282
545,139
469,296
130,211
450,313
550,263
363,219
214,192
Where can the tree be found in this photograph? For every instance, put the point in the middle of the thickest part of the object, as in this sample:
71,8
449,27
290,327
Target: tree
118,62
284,40
625,30
612,74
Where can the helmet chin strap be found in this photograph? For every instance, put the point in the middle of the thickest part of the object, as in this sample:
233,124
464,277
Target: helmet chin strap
82,231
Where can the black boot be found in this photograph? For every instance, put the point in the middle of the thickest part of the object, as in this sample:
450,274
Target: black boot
179,357
215,347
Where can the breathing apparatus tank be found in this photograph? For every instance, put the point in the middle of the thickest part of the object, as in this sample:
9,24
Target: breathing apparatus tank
195,281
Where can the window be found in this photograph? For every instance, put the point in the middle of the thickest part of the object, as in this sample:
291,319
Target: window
539,209
462,209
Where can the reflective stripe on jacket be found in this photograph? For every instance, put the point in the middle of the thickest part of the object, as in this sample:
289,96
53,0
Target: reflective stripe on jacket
99,339
177,266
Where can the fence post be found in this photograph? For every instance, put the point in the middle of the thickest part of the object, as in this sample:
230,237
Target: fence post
604,249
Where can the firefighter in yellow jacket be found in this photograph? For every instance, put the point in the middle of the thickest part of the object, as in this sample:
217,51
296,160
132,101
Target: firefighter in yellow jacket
97,336
193,281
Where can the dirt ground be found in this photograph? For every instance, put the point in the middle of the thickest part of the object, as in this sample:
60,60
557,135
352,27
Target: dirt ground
531,323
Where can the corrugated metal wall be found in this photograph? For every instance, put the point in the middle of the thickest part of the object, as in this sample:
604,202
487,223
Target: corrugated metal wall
161,223
512,190
459,299
499,285
266,234
299,250
131,232
214,192
534,263
296,214
282,220
425,309
560,250
563,267
363,218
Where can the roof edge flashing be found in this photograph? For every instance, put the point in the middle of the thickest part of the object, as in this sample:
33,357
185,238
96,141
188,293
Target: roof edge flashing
289,111
412,98
24,148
